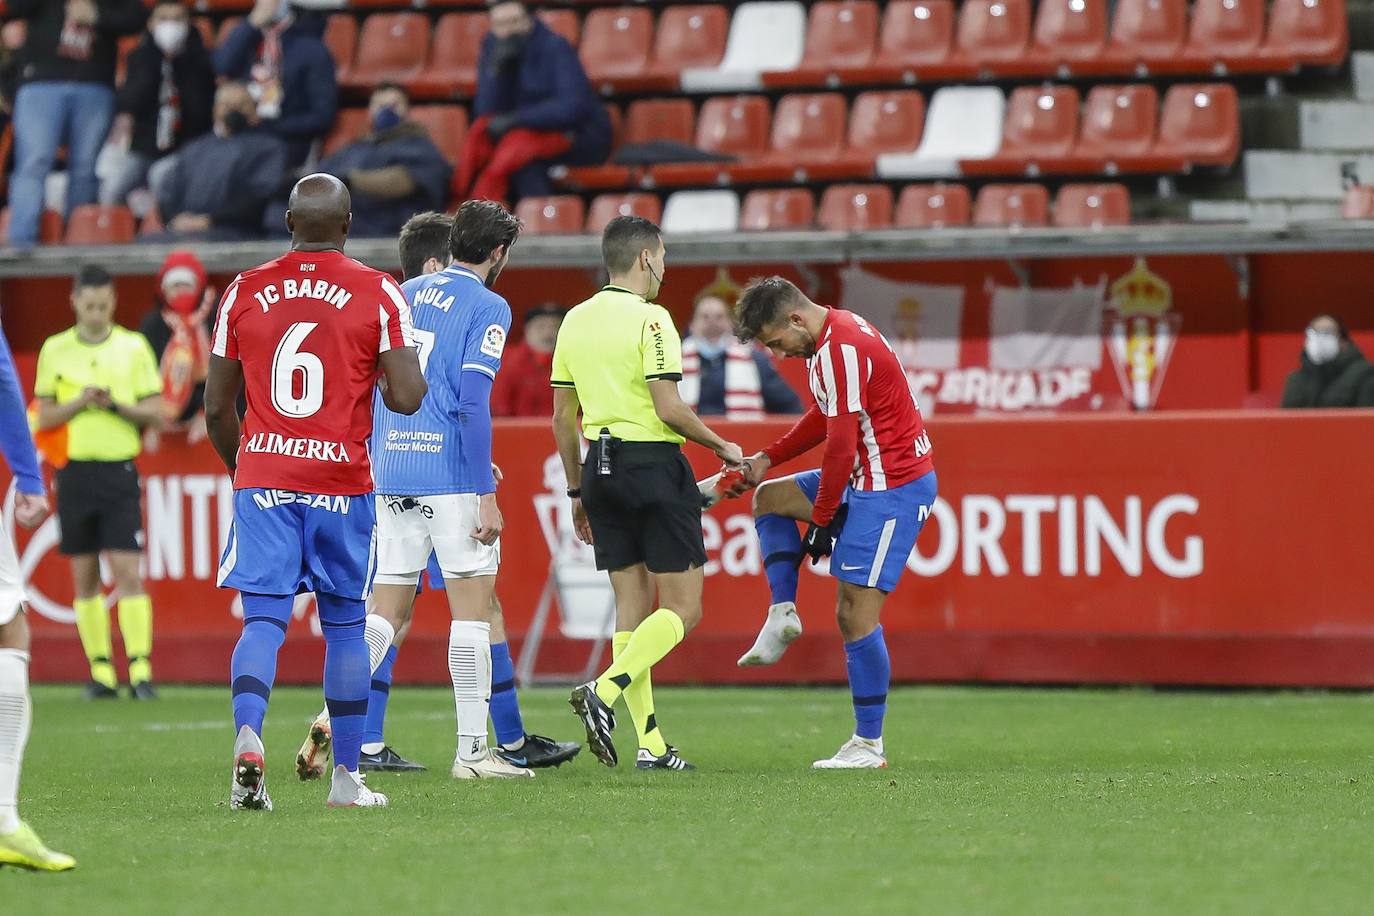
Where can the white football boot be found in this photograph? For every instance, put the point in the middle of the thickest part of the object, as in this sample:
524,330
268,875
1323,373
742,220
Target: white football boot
856,754
349,791
248,784
779,630
313,757
489,766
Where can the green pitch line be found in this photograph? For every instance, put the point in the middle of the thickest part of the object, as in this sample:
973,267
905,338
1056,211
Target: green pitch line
998,801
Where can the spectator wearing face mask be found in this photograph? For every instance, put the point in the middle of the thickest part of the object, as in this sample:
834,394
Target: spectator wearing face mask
178,328
522,386
394,172
721,376
220,184
279,53
65,98
1332,372
167,98
534,108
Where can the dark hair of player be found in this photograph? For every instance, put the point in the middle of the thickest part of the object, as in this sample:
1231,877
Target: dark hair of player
424,236
625,237
763,301
91,276
479,228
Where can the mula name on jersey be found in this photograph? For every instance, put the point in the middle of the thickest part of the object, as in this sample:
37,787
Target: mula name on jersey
322,290
435,296
270,499
311,449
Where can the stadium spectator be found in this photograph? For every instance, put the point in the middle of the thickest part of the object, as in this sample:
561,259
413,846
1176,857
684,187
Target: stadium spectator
720,375
66,98
219,185
534,108
167,98
393,172
522,388
178,329
279,53
1332,372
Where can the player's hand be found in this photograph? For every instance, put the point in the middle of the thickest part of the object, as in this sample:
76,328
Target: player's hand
581,525
489,521
30,509
820,539
731,454
751,474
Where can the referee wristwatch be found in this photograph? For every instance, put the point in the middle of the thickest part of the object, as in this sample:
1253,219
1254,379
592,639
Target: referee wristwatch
574,492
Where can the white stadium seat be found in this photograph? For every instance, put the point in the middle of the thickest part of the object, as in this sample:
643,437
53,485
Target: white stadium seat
963,122
764,36
701,211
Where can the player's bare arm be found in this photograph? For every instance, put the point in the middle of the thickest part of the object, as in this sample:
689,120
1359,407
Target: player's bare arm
146,412
222,386
405,387
566,407
681,419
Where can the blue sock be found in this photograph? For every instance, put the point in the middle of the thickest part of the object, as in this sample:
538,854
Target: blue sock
376,699
869,672
505,706
780,544
254,665
347,674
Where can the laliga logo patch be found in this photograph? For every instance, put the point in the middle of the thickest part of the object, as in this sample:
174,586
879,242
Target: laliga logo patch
494,341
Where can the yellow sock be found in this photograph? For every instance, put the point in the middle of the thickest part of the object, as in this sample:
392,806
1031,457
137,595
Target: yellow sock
93,626
654,638
136,627
639,697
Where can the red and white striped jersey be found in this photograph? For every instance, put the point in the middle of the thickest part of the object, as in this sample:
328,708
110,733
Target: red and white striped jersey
308,329
856,371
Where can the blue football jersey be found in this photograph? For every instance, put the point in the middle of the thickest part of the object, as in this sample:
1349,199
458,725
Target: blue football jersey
460,326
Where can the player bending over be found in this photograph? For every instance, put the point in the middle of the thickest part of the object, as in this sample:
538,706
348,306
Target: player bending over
866,504
307,333
425,250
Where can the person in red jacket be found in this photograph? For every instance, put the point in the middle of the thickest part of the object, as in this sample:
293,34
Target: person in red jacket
522,387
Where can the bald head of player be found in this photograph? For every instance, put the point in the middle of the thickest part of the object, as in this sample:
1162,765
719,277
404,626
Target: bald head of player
319,213
779,316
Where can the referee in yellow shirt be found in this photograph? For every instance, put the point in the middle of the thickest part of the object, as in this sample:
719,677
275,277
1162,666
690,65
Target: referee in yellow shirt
102,382
635,500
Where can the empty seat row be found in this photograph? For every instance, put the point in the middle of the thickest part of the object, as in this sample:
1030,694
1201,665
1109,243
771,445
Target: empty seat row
89,224
842,208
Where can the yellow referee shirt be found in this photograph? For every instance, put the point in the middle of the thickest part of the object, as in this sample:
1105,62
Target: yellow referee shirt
609,349
124,363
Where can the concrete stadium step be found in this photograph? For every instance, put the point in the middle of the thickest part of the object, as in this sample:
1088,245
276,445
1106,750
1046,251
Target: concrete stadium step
1336,124
1267,212
1288,175
1362,74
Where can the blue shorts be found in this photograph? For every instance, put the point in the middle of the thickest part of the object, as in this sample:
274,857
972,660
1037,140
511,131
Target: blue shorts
880,530
283,543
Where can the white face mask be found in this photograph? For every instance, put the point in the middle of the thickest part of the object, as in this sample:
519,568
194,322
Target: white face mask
1321,346
169,36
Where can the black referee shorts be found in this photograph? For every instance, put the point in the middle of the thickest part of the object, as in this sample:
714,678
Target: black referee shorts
648,511
98,507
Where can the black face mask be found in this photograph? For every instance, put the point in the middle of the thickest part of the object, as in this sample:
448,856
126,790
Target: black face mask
509,49
235,122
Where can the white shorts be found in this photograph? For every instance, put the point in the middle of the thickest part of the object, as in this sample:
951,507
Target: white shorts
410,527
11,586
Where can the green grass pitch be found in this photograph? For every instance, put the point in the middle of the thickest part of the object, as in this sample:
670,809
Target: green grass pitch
997,801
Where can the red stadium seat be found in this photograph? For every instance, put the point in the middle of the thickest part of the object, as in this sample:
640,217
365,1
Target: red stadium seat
392,48
735,125
1092,206
1225,34
791,208
887,122
933,206
809,126
563,215
855,208
92,224
1118,122
689,36
1359,202
1200,123
453,64
1147,34
615,43
841,35
349,125
916,34
608,206
1013,206
1041,127
1311,31
562,22
448,127
151,224
341,38
49,227
994,31
660,119
1069,31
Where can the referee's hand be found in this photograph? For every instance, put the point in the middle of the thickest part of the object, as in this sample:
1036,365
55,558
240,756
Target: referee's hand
489,520
580,523
731,454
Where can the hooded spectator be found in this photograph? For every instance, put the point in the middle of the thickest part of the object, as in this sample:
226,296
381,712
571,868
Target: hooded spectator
1332,372
178,328
395,171
522,386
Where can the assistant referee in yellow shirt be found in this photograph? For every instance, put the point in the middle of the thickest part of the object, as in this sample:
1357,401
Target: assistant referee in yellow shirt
635,500
102,382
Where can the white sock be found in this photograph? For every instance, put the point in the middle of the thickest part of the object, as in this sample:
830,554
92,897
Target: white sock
469,665
15,717
379,634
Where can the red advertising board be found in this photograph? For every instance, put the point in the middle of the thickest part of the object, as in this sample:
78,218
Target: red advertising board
1175,548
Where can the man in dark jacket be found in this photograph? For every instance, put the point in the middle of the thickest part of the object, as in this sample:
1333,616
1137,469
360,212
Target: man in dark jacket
1332,371
395,171
220,184
280,55
66,97
168,95
534,108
